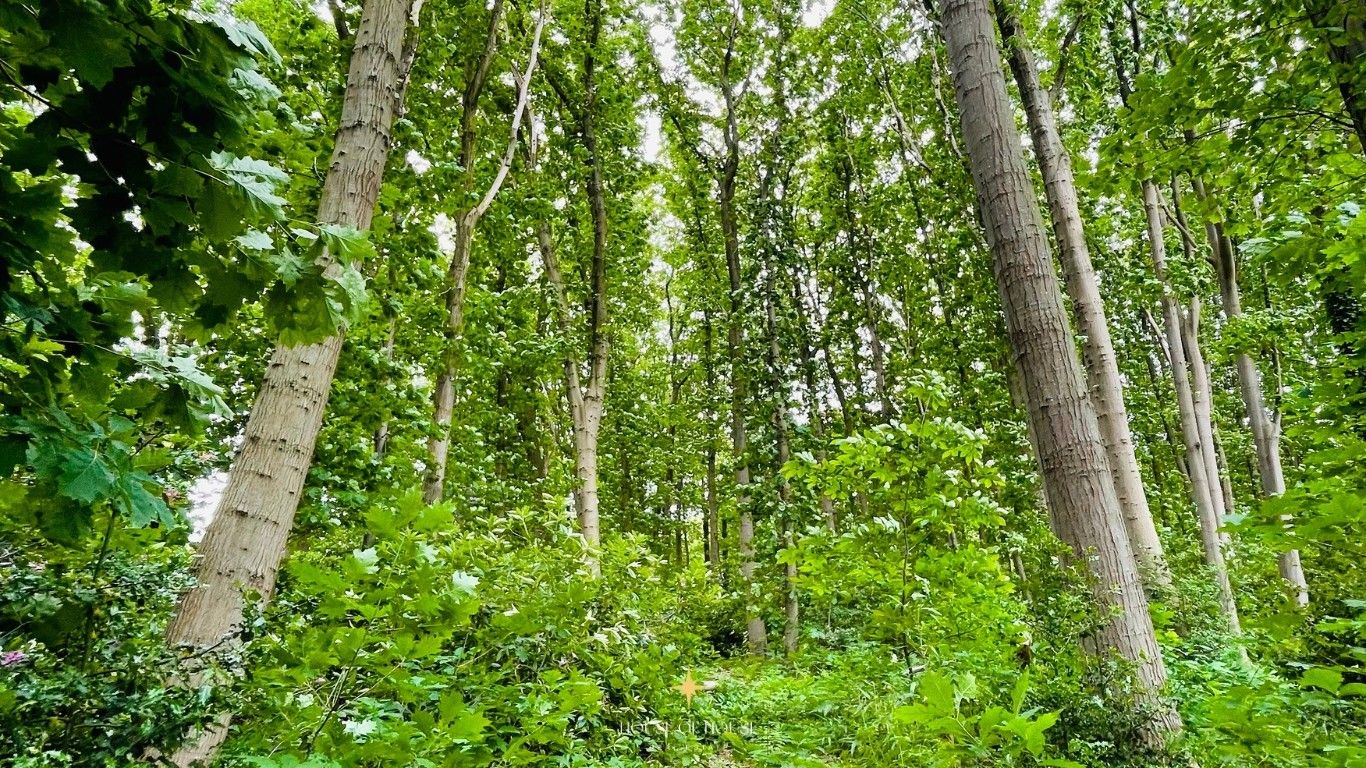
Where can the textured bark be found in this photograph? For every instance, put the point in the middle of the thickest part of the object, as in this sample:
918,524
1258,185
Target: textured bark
1266,430
1197,468
585,408
586,398
244,544
1102,370
1082,503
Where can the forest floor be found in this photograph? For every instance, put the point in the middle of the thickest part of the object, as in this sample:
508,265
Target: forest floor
770,714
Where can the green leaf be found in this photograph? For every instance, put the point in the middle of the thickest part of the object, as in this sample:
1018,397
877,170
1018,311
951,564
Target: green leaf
1322,677
85,476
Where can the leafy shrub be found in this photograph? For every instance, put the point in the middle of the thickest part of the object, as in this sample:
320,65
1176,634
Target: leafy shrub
84,666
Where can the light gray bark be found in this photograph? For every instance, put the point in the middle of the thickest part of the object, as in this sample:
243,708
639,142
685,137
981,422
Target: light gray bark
1265,428
1083,287
1202,484
244,544
1082,503
756,634
466,223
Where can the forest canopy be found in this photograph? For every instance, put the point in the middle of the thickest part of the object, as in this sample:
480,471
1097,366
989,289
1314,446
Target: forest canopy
682,383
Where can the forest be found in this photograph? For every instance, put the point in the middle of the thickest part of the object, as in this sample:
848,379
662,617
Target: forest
682,383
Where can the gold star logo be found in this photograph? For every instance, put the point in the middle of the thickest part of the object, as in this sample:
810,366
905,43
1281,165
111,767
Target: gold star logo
689,687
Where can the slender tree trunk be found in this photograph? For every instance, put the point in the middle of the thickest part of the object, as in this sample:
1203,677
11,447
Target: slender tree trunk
755,632
1202,400
443,398
380,442
244,544
713,519
586,398
1102,370
808,366
791,609
1082,503
1266,431
1202,484
1202,481
585,412
466,222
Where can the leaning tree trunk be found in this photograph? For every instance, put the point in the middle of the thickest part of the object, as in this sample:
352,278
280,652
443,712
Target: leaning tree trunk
1102,370
243,546
1202,484
1082,503
1266,431
466,222
1202,398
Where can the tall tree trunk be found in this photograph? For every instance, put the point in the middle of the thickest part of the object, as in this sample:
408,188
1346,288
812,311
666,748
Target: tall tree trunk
586,398
243,546
808,364
1201,482
1266,431
713,518
791,609
466,221
585,413
1202,398
1082,503
756,634
443,398
1207,499
1102,370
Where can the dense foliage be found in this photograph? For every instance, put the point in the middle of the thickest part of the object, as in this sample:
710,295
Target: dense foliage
722,264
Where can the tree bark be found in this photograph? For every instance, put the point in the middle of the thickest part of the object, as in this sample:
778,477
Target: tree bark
1202,399
585,412
1266,430
1102,370
466,222
756,634
586,398
808,365
244,544
791,608
1197,466
713,518
1082,503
